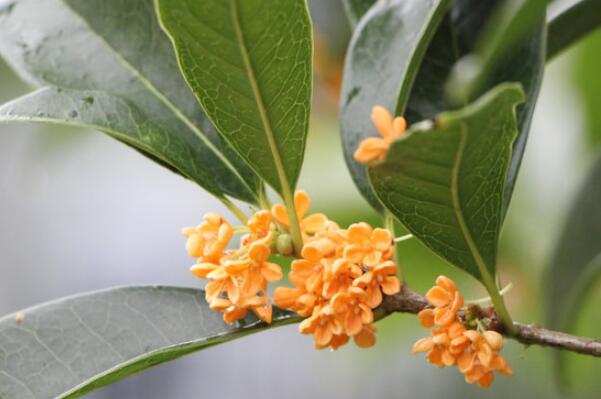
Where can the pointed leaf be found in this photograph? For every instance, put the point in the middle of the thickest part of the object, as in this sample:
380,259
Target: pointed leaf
572,24
381,64
455,37
66,348
445,182
249,62
116,53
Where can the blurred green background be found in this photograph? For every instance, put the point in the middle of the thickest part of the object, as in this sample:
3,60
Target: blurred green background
81,211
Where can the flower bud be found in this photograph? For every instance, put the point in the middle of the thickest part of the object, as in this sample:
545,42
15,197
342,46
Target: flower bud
284,245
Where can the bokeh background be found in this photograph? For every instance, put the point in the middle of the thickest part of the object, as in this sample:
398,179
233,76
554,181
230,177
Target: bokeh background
80,211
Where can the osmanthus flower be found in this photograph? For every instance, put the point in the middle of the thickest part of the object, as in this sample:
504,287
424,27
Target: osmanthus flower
378,280
353,310
366,246
233,311
450,343
375,148
209,239
339,275
260,226
324,324
310,224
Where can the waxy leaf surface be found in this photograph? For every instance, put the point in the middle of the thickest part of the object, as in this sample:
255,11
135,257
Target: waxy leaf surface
445,182
249,62
66,348
106,65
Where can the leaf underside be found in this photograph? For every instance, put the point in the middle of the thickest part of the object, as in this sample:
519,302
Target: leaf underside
250,65
66,348
355,9
445,182
106,65
455,37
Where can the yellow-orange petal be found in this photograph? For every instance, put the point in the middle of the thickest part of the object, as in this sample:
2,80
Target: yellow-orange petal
382,120
323,335
500,364
194,245
302,202
259,252
426,318
314,223
271,272
352,323
202,270
423,345
358,233
381,239
279,213
485,354
486,380
374,296
285,297
366,338
447,284
391,285
494,339
438,296
264,313
465,361
399,125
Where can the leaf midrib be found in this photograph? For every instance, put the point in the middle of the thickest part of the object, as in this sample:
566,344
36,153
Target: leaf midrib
467,235
161,97
267,128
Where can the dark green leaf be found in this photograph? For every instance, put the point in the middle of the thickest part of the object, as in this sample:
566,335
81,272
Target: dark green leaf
355,9
105,64
66,348
572,24
587,81
456,36
511,23
382,61
576,262
250,65
445,182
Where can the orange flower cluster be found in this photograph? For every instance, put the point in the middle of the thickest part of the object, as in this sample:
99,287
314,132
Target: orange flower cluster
238,278
375,148
475,353
339,280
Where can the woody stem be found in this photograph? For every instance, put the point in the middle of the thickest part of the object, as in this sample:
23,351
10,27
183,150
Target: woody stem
408,301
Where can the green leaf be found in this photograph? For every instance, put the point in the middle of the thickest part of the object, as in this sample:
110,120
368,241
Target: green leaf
455,37
66,348
355,9
381,64
445,181
105,64
511,22
250,65
576,263
572,24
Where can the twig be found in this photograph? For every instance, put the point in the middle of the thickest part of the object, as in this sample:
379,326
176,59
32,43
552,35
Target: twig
408,301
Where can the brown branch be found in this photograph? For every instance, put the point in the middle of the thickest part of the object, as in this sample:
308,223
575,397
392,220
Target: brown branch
408,301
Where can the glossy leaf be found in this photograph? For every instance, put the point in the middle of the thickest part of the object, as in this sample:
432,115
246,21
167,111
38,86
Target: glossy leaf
66,348
456,36
445,182
249,62
381,64
105,64
355,9
511,22
572,24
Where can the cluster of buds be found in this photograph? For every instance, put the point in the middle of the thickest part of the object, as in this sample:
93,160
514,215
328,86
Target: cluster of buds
338,281
475,352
